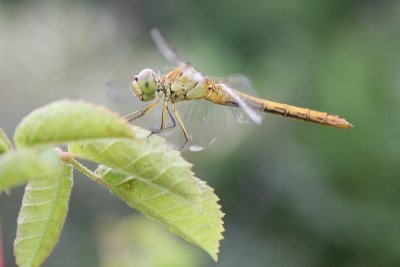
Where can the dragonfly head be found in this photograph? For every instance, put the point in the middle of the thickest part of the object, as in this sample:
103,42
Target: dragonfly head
144,84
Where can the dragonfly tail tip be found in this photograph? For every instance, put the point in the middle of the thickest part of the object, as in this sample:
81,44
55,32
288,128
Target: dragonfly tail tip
344,124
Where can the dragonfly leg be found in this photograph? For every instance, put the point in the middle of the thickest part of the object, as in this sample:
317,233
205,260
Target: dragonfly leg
164,115
141,112
163,126
178,118
172,118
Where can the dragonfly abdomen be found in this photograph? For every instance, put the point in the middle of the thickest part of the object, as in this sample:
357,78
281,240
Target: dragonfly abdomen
305,114
299,113
217,95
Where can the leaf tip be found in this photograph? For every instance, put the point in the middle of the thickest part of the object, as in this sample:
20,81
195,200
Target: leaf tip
68,121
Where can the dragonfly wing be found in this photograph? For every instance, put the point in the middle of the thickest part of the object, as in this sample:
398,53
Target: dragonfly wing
251,113
204,121
243,84
237,81
240,115
119,91
167,49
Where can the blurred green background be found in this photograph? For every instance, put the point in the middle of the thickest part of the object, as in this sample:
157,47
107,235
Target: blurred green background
294,194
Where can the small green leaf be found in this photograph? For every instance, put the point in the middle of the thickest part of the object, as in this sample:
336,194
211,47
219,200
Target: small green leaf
156,180
149,158
5,143
41,218
18,166
65,121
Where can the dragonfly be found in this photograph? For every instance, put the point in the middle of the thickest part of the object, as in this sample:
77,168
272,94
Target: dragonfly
201,119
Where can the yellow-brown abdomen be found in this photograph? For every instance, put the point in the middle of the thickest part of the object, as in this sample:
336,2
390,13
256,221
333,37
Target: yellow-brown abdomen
217,95
303,114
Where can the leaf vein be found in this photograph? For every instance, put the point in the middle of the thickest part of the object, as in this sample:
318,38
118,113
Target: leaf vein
19,240
36,204
32,221
182,198
42,188
186,218
136,159
111,143
163,171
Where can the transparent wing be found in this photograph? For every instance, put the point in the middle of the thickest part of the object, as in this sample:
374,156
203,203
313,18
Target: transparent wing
240,115
119,91
238,82
167,49
204,122
251,113
243,84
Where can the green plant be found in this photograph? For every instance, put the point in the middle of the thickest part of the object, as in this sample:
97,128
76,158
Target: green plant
141,170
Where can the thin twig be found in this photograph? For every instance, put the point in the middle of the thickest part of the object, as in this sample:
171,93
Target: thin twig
68,158
87,172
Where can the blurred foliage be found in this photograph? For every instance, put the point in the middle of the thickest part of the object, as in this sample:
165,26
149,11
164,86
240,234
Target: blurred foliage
323,197
136,241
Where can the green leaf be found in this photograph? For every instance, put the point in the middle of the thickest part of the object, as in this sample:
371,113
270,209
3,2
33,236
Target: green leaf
41,218
65,121
18,166
5,143
149,158
156,180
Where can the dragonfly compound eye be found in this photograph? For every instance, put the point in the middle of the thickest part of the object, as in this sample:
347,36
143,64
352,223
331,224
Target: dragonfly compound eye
144,84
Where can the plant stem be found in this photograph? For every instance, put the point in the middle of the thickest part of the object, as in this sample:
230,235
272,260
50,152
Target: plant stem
68,158
88,172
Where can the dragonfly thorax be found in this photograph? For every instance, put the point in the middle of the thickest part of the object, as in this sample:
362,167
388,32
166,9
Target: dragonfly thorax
185,84
145,84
